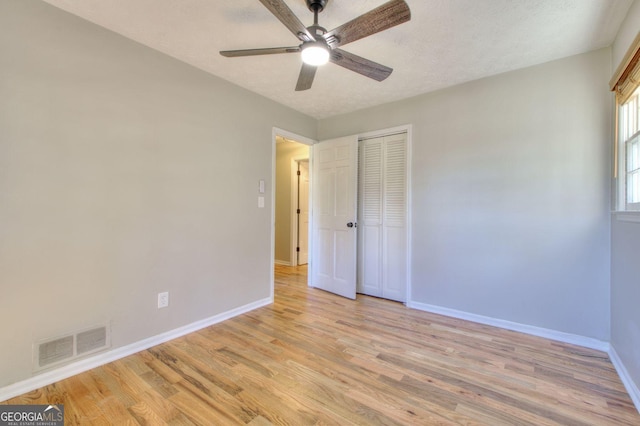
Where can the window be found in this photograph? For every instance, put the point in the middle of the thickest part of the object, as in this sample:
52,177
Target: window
629,140
626,84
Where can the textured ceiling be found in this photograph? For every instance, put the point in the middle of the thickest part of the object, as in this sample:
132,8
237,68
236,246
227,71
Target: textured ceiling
447,42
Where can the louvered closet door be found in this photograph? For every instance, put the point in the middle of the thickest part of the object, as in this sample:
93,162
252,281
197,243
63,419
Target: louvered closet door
382,222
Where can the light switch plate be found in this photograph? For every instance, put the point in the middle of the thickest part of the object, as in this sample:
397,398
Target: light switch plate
261,186
261,202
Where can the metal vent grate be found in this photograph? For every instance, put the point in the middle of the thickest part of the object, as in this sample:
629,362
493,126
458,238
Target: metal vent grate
60,350
55,351
91,340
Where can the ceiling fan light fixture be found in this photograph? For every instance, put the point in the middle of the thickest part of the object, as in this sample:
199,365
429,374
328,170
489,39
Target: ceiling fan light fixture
315,53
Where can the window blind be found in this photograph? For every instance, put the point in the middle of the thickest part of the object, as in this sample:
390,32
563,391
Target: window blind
626,79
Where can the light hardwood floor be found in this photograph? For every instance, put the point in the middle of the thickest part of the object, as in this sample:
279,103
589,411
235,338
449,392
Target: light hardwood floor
315,358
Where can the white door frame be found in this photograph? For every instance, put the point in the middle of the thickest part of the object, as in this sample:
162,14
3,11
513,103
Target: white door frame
408,128
294,205
275,132
308,141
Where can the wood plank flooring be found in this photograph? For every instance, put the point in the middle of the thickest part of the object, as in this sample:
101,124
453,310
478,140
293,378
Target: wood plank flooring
313,358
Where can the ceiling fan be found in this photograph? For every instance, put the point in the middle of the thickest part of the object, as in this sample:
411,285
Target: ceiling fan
320,46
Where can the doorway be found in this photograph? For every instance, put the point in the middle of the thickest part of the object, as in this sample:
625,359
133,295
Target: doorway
291,202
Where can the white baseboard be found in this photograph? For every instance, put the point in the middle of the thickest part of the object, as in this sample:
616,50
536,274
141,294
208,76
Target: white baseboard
627,381
560,336
282,262
85,364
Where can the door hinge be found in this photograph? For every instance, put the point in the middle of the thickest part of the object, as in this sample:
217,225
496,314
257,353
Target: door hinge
298,249
298,211
298,172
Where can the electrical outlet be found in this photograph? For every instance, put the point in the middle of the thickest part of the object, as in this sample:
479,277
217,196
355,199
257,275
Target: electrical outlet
163,299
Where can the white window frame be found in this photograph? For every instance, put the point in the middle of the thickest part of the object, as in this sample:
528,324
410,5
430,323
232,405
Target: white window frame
626,85
629,152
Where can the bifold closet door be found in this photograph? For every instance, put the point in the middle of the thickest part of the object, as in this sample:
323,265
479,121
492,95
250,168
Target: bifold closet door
382,217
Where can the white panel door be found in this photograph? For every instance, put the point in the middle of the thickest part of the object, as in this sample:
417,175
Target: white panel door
334,189
303,216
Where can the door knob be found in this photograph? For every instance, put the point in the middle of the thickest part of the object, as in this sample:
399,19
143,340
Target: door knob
350,225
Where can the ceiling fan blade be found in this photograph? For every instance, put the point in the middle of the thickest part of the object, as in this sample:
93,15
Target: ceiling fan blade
305,79
388,15
281,11
254,52
360,65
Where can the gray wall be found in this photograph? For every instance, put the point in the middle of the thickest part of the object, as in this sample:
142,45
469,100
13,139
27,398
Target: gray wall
510,194
625,295
626,34
123,173
625,250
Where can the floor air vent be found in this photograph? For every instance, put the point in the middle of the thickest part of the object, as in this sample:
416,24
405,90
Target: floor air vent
63,349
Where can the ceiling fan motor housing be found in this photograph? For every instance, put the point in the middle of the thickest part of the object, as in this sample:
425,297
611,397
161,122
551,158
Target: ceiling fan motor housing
316,5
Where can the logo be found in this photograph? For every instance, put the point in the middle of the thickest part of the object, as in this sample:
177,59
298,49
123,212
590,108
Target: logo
32,415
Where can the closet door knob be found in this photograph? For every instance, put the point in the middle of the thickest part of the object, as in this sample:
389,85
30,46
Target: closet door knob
350,225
